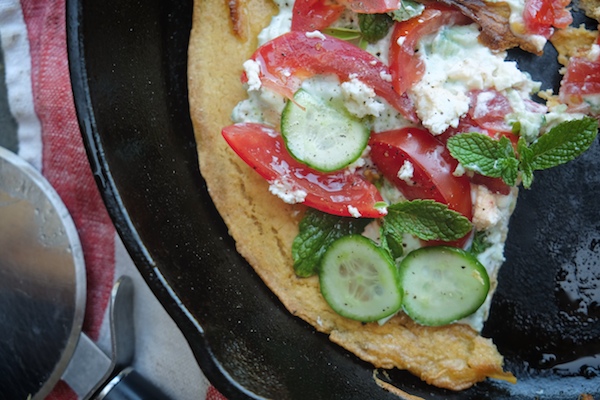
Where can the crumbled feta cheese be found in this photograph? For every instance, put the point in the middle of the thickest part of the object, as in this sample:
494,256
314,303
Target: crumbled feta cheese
594,52
354,212
315,34
439,107
406,171
383,209
456,64
360,98
287,192
385,76
485,210
252,69
459,170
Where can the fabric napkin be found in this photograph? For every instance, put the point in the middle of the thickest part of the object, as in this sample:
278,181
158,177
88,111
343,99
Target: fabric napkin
44,131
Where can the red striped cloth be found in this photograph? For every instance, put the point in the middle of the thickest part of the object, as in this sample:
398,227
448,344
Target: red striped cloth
65,165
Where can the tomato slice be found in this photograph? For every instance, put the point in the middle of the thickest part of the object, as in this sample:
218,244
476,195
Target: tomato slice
288,59
433,166
406,66
581,79
540,16
488,109
263,149
371,6
310,15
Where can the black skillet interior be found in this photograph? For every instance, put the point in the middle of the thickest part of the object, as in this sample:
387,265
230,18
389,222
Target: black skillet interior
128,68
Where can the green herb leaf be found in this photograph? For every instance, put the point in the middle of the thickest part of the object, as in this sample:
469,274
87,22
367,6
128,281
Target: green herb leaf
492,158
563,143
480,243
407,10
427,220
525,158
391,239
482,154
374,26
343,33
317,231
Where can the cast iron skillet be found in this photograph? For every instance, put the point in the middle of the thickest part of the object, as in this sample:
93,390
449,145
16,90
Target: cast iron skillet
128,68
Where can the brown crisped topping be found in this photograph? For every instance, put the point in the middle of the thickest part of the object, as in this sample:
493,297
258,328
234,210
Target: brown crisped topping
237,15
494,21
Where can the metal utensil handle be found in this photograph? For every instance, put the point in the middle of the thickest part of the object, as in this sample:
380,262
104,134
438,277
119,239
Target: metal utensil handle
130,385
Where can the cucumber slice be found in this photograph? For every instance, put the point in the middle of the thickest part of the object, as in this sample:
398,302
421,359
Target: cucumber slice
359,280
320,135
442,284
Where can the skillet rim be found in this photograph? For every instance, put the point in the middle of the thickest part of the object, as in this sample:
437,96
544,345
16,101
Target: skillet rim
123,220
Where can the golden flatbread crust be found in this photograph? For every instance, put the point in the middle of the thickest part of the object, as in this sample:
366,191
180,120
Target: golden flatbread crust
591,8
453,357
571,42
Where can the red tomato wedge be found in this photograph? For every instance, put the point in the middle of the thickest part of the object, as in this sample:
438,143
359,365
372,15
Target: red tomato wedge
288,59
263,149
406,66
488,109
432,163
310,15
540,16
581,79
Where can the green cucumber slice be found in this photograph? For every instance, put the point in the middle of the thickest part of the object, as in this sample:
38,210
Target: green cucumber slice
324,137
359,280
442,284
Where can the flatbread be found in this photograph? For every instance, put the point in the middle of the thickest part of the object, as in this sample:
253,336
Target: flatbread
453,357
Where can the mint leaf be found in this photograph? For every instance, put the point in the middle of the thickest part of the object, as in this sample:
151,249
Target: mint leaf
317,231
563,143
374,26
480,243
427,220
525,158
482,154
391,239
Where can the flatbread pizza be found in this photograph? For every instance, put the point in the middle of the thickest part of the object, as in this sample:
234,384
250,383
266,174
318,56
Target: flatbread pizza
443,90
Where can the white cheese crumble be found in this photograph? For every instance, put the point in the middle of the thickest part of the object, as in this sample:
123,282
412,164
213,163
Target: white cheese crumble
594,52
459,170
287,192
485,210
406,172
315,34
360,98
354,211
252,69
455,64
